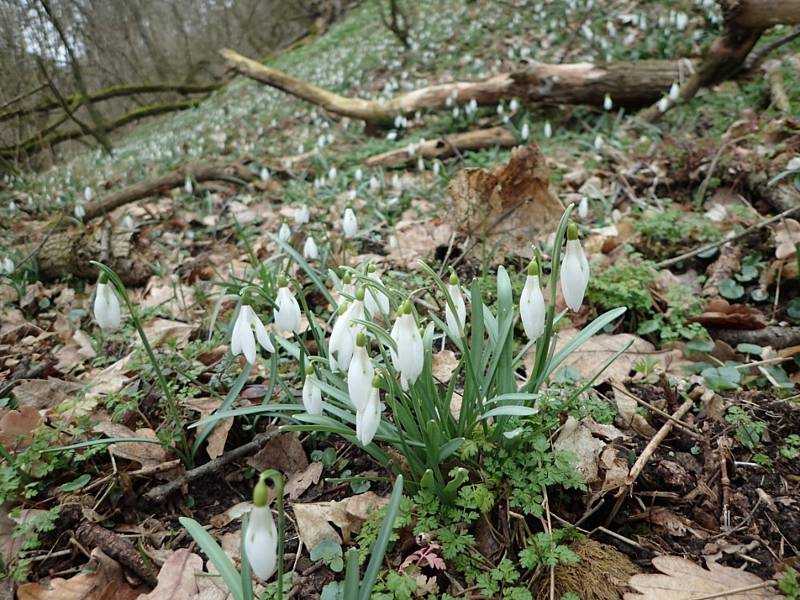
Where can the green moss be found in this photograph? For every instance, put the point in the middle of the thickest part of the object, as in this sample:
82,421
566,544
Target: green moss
668,232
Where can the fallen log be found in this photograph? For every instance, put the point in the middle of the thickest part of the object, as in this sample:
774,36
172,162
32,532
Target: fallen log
444,147
234,172
630,84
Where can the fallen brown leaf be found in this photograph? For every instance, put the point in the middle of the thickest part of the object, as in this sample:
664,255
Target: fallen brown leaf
146,454
16,427
314,519
575,437
787,235
302,480
44,393
284,452
684,580
176,579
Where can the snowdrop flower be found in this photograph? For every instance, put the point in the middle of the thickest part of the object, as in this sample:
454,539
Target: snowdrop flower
456,321
375,301
7,266
343,335
525,132
374,184
674,91
312,394
548,130
472,106
607,103
359,374
12,207
574,270
310,251
358,174
128,223
264,175
598,142
242,339
513,106
420,164
106,305
287,309
531,304
409,357
368,419
188,185
261,537
79,212
583,207
349,223
391,136
332,174
302,215
284,233
88,194
436,168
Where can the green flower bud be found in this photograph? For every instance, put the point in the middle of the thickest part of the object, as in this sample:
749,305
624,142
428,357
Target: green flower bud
103,277
533,268
405,308
282,281
260,492
309,369
360,293
370,268
342,308
453,277
376,381
347,278
361,339
572,232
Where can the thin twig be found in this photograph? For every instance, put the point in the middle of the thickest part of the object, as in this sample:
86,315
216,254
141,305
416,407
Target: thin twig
686,428
733,592
671,261
757,57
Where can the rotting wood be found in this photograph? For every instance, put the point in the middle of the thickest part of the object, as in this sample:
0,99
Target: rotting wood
444,147
118,548
774,336
628,83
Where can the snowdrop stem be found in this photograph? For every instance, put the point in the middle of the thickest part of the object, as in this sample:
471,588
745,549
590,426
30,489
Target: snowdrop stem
173,412
543,344
277,482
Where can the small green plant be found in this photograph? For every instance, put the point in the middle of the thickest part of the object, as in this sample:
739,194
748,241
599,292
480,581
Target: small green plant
624,283
789,584
747,429
791,447
28,531
665,233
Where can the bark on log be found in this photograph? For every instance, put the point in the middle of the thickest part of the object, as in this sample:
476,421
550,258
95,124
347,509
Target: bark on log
234,172
760,14
628,83
445,146
777,337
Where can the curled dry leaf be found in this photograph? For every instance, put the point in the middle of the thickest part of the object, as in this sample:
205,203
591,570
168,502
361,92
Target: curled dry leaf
299,482
314,519
146,454
443,364
787,236
176,579
684,580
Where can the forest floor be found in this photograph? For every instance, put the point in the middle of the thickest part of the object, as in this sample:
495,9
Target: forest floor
679,457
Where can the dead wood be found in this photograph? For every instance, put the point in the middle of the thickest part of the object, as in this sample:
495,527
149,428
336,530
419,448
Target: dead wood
233,172
118,548
777,337
745,21
628,83
444,147
159,494
726,266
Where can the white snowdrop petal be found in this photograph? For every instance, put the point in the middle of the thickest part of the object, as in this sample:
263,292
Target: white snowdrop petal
261,542
532,308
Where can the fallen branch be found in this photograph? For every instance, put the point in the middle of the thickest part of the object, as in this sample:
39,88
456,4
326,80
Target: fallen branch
628,83
233,172
445,146
777,337
745,22
118,548
159,494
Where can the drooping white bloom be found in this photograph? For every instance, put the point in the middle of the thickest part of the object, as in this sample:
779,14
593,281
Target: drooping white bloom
358,174
513,106
409,357
375,301
287,309
284,233
374,184
79,212
88,194
456,321
436,168
312,394
261,537
343,335
349,223
368,419
531,304
106,305
8,266
525,132
332,172
12,207
574,270
548,130
359,374
242,339
128,222
583,207
302,215
310,251
188,186
264,175
663,104
607,103
598,142
674,91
